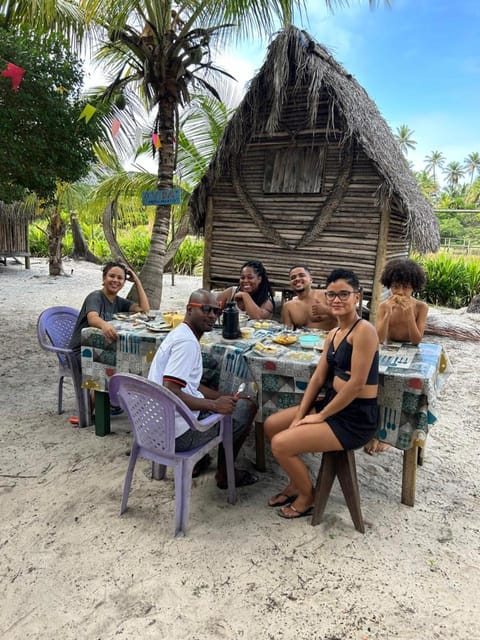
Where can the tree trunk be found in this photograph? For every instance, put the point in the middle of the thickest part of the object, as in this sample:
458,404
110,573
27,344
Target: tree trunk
80,247
115,248
180,234
56,229
152,272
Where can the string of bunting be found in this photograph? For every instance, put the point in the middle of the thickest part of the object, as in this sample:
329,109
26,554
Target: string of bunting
16,73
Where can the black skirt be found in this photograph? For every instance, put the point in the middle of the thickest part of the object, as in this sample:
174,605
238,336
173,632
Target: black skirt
355,424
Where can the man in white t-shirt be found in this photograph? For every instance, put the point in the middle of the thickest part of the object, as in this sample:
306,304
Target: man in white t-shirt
178,366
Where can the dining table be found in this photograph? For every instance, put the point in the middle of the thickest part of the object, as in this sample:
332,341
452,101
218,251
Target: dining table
276,376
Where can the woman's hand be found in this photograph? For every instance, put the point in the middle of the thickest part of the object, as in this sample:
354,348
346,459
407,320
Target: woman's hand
109,331
131,275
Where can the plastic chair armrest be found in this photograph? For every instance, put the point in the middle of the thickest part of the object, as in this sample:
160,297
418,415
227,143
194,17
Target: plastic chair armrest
209,421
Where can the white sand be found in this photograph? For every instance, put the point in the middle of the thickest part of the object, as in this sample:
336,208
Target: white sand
72,568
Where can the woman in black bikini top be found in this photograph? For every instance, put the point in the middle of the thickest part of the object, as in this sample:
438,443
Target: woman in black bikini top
340,359
347,417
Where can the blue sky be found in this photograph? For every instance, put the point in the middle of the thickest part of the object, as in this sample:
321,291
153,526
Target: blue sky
419,60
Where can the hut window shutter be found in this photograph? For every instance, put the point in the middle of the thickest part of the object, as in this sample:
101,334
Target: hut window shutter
294,170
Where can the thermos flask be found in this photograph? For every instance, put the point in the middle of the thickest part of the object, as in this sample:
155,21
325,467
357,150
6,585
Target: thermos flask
231,322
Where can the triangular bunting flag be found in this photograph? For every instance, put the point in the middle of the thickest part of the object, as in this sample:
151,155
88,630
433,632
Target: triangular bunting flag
15,73
156,140
87,112
115,127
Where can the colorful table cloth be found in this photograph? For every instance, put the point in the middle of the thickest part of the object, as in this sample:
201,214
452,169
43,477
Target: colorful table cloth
408,390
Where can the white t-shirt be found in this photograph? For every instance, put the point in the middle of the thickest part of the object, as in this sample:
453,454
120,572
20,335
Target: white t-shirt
179,359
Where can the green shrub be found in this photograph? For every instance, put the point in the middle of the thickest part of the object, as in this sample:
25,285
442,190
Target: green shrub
38,239
134,241
189,257
452,281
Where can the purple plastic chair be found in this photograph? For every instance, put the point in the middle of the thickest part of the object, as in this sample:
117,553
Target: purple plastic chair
54,330
151,408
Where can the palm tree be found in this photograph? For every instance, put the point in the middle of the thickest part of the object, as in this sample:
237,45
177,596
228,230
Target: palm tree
427,184
453,172
404,138
472,164
162,51
434,160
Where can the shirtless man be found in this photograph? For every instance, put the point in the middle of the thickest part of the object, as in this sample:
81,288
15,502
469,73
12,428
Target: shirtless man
309,307
401,317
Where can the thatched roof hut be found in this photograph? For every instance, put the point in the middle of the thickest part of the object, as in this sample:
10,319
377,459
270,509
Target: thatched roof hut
308,172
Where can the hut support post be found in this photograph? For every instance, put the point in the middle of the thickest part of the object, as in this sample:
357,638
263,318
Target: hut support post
207,252
380,259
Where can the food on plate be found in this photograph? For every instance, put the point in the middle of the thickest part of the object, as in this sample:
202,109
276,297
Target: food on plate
285,339
261,325
265,348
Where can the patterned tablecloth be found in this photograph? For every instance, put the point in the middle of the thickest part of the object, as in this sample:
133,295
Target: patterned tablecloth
407,396
223,362
408,391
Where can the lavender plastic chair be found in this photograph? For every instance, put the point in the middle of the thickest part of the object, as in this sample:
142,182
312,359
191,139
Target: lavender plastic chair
150,407
54,330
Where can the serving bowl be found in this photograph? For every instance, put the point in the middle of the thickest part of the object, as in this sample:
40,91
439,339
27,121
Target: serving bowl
309,341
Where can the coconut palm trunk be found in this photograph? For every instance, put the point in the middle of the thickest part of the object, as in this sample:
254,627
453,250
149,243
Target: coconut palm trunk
151,274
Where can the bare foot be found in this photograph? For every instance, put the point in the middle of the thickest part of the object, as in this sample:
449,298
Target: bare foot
375,446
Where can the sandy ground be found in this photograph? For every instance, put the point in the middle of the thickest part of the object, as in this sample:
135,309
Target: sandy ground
71,568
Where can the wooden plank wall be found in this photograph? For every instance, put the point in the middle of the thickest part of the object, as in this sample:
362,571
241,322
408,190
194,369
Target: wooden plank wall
349,240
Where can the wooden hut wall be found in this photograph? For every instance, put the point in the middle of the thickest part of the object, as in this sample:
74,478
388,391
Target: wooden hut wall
13,238
349,239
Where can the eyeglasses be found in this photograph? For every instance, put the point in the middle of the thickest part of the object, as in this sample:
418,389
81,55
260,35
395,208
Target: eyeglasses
206,308
343,296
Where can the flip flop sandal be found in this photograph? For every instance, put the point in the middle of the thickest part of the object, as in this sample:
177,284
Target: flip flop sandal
298,514
74,420
116,411
288,500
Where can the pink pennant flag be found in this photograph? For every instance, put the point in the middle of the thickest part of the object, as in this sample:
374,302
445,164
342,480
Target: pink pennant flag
115,127
15,73
87,112
156,140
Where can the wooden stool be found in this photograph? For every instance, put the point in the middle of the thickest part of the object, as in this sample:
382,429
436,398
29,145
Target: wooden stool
341,464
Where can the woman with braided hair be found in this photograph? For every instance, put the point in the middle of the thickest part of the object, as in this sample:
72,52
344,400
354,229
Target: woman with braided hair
254,295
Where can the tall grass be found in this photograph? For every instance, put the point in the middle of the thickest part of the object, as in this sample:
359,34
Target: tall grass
452,281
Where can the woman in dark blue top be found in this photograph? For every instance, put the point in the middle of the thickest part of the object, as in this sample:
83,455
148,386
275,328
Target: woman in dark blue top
346,418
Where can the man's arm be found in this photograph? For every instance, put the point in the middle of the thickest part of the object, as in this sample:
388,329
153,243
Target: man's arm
286,315
217,404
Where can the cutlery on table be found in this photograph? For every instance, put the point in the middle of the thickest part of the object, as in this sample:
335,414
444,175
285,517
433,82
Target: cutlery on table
240,390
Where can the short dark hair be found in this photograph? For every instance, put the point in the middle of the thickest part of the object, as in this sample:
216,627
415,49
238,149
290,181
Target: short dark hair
114,263
300,266
344,274
403,271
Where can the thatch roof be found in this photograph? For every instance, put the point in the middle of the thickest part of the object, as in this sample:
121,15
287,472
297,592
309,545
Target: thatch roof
16,212
260,112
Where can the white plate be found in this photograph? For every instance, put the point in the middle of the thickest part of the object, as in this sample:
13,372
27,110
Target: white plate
158,327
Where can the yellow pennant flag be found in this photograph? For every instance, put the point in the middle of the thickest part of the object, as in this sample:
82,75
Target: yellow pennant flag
87,112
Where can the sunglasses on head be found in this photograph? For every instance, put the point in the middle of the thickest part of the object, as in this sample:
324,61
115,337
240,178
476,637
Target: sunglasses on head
206,308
